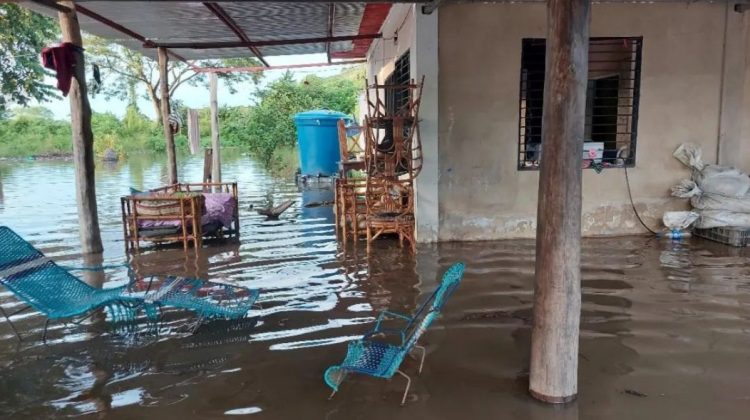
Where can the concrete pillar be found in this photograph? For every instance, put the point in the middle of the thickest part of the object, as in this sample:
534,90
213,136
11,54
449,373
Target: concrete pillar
424,61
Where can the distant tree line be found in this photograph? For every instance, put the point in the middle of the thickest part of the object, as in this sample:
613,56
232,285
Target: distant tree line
265,129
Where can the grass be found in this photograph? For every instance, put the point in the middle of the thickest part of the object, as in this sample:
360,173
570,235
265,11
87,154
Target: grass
284,162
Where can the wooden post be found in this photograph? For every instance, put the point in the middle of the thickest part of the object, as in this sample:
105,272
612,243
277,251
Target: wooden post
216,153
168,135
557,293
83,138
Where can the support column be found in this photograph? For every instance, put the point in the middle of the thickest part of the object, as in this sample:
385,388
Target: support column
83,138
168,135
215,145
731,149
557,292
424,62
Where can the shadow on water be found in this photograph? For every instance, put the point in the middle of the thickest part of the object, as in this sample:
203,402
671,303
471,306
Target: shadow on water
665,326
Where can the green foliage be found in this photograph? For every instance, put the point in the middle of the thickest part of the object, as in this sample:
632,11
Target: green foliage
266,129
23,34
31,132
29,135
271,124
32,112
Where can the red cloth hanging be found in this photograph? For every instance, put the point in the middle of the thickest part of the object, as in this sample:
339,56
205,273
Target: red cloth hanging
62,60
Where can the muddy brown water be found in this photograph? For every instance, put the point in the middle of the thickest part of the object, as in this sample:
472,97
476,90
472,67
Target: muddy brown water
665,329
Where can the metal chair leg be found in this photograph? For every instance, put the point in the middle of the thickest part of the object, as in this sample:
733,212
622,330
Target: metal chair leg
44,335
408,385
421,363
13,327
341,380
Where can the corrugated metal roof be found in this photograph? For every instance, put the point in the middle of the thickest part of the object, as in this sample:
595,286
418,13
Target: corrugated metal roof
191,22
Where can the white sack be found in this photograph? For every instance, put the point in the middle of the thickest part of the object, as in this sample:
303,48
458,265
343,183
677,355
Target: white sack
712,179
679,220
720,218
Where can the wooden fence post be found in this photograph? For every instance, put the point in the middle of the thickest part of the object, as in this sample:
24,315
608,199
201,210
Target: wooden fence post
557,292
83,138
215,145
168,135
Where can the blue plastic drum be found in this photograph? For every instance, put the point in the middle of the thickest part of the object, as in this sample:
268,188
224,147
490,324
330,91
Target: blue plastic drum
318,140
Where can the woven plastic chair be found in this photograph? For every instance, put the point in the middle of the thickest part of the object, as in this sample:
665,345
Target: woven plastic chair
209,300
383,360
51,289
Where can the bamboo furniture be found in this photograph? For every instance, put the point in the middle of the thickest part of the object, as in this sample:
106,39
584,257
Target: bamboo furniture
350,207
392,142
390,209
173,213
350,203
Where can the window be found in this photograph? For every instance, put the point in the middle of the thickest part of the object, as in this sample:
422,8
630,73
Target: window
611,102
397,99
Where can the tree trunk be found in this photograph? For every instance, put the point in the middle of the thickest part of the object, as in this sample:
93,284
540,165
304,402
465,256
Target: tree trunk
557,293
168,135
156,103
83,138
216,155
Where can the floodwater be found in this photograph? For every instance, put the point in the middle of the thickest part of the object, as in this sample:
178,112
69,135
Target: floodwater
665,325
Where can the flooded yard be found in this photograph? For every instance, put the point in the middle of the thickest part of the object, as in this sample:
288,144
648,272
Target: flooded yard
665,329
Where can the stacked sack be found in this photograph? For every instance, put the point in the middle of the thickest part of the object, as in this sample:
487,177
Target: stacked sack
719,194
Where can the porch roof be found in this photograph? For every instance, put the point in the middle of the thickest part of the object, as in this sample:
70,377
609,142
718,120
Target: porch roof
210,30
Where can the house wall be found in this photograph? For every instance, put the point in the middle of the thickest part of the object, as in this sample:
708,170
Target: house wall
482,194
408,30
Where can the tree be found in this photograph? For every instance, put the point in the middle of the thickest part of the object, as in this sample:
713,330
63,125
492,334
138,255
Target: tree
33,112
270,125
23,34
123,69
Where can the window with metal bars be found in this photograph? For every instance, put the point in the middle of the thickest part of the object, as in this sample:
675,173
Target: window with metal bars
396,99
611,102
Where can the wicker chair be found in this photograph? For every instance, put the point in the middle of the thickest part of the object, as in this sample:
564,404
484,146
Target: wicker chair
390,209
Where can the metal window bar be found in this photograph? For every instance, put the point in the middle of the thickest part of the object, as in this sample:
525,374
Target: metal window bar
613,95
397,99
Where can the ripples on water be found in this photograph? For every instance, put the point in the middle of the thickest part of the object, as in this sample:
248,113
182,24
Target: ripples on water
670,320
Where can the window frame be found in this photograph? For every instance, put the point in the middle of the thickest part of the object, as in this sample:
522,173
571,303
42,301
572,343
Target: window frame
522,135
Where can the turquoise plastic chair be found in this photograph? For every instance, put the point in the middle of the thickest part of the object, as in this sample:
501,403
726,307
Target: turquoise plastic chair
209,300
51,289
383,360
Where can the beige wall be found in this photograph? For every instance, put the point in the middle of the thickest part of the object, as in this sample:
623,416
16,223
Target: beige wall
398,37
484,196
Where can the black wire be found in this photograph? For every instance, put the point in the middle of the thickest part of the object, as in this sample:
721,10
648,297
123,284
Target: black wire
632,204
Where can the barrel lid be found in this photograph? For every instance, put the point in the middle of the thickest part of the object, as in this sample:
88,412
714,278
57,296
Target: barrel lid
318,114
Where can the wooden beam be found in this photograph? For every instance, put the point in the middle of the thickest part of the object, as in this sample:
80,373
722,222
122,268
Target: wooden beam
255,69
329,32
291,1
168,135
215,145
83,137
270,43
557,292
220,13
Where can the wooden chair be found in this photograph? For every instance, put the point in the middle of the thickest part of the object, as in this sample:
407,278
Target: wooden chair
390,209
349,148
392,142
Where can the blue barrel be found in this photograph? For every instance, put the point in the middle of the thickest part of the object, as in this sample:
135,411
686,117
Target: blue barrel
318,139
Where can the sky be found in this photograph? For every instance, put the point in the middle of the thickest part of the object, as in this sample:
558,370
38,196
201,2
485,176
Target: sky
197,97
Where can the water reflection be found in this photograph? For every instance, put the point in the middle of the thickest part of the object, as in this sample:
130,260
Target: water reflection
656,316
